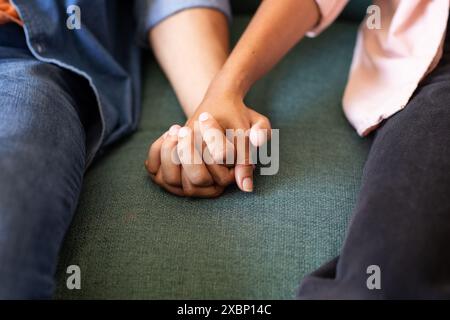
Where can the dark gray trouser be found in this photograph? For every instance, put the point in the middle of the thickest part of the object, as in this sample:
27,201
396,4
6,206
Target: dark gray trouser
401,221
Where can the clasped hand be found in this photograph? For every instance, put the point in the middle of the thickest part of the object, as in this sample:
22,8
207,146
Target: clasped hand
201,158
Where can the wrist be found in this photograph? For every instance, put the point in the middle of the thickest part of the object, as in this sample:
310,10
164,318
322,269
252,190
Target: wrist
228,84
189,109
225,86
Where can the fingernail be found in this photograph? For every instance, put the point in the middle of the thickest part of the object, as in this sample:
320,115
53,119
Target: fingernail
247,184
258,137
183,132
174,130
203,116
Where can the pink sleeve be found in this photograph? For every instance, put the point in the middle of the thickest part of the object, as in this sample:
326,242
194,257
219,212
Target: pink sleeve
329,10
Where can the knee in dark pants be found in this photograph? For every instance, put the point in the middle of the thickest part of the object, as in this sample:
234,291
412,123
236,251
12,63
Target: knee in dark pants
401,222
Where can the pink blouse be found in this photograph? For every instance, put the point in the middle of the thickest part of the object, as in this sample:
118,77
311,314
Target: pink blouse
389,62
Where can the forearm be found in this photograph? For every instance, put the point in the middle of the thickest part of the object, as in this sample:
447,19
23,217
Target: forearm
276,27
191,47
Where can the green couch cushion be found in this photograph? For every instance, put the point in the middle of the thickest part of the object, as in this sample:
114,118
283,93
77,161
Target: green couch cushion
133,240
354,11
244,7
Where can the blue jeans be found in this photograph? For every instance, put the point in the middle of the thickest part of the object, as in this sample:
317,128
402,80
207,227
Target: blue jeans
42,162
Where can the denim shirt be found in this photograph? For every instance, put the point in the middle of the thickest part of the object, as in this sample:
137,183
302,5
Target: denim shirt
105,50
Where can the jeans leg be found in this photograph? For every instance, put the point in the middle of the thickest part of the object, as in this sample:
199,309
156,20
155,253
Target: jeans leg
42,161
401,222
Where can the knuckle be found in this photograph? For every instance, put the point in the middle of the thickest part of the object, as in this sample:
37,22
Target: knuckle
150,170
265,120
217,192
223,181
172,179
200,179
168,146
158,180
189,191
219,156
185,156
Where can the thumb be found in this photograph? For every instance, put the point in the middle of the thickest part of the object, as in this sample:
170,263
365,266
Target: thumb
243,170
261,130
244,177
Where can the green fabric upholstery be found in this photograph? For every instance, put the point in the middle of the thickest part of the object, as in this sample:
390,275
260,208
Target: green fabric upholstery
355,9
133,240
244,6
